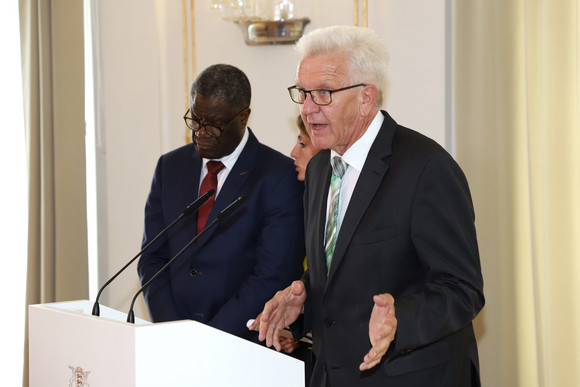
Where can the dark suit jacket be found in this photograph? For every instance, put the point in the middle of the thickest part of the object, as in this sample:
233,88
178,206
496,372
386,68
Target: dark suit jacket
229,274
408,231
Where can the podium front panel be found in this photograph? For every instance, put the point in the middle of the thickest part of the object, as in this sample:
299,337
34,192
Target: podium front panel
70,347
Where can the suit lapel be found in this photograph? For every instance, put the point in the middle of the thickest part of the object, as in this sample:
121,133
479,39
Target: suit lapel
188,181
322,185
182,192
368,183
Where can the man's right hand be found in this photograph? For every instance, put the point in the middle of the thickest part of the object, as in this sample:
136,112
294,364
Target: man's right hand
280,312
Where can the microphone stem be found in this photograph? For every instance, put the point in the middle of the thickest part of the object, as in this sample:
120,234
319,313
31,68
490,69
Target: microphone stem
130,317
221,216
96,311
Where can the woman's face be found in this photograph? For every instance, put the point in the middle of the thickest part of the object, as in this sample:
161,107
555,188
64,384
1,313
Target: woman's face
302,153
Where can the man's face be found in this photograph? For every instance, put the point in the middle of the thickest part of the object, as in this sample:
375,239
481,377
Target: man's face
338,125
219,113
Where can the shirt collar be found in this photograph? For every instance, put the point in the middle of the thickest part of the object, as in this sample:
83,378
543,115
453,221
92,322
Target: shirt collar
230,160
356,155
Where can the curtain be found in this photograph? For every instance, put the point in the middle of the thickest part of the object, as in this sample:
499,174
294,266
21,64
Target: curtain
53,88
517,126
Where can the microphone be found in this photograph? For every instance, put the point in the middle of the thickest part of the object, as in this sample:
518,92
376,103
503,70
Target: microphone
188,211
220,217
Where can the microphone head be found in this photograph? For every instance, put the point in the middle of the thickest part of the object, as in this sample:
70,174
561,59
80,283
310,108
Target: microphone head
231,208
198,202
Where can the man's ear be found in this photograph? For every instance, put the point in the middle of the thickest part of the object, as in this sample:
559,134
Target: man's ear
245,115
369,97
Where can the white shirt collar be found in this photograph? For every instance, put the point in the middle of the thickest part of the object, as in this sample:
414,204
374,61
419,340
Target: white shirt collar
230,160
356,155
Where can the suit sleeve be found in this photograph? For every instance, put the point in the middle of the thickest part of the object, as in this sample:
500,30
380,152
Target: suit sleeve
279,252
157,296
443,234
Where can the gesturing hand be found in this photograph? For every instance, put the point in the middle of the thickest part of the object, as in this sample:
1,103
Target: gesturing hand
382,329
280,312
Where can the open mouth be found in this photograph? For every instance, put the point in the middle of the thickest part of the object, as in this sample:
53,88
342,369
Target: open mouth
318,126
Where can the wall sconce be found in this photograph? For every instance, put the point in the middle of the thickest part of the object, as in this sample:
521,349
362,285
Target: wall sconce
263,21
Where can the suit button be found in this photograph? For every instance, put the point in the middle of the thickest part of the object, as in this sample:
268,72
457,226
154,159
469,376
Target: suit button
328,322
193,272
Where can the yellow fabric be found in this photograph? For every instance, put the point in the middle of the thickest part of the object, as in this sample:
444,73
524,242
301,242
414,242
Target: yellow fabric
517,126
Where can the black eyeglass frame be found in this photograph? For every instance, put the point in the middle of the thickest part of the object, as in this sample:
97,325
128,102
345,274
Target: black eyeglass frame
304,92
203,124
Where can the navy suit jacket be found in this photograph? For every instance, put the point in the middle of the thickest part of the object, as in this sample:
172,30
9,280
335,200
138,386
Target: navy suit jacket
228,275
408,231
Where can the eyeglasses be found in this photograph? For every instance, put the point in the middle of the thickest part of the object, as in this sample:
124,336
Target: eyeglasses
321,97
211,129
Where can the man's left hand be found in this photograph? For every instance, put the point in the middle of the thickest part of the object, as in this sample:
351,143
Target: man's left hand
382,329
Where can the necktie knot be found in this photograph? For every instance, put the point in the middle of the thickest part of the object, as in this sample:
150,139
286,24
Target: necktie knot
214,167
338,166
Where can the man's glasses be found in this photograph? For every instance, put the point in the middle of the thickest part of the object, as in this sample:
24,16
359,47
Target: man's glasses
321,97
211,129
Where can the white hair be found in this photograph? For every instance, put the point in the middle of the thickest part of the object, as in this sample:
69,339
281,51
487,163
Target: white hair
364,49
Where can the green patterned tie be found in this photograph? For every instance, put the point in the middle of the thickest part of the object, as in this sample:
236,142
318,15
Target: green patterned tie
338,169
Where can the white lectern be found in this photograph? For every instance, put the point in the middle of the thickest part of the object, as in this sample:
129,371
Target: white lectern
70,347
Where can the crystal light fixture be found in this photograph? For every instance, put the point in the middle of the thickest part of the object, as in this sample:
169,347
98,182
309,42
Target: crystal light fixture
263,21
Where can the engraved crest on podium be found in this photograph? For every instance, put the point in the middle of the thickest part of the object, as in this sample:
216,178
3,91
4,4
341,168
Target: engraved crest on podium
79,377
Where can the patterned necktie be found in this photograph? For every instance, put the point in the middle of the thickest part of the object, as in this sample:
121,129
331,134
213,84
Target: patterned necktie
209,182
338,169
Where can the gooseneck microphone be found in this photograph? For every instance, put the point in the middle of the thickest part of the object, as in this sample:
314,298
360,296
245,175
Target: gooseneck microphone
220,217
188,211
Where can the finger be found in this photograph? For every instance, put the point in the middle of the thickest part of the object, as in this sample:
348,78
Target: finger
288,345
264,319
273,334
276,338
269,308
369,361
284,342
295,345
380,300
269,333
368,366
262,329
372,358
380,347
297,287
384,300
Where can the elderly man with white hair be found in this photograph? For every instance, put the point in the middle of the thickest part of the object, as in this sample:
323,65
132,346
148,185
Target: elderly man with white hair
394,278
